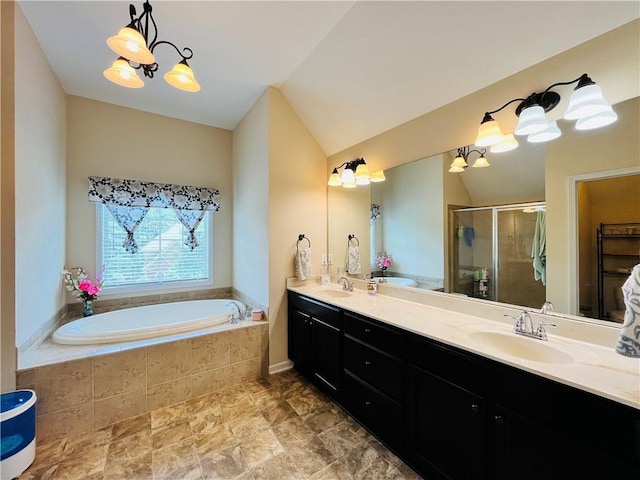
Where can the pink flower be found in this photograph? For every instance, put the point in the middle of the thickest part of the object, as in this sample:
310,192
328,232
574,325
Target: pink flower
386,262
93,289
84,285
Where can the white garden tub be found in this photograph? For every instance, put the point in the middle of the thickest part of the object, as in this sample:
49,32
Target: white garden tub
400,281
146,322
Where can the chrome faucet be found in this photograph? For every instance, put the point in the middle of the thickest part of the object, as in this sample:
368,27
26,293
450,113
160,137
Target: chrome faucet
546,307
347,285
524,326
239,311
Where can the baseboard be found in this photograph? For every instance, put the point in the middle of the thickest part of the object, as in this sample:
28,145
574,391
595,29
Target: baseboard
280,367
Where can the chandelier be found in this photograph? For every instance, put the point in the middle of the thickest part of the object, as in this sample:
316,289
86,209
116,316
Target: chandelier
135,45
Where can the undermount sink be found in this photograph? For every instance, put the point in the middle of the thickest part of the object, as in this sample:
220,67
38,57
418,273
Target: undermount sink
521,347
332,292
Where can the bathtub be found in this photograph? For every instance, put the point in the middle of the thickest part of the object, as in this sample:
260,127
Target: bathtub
400,281
149,321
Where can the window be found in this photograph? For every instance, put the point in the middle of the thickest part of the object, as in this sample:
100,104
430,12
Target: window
162,260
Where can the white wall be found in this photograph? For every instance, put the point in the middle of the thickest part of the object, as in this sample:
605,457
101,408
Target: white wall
112,141
297,204
251,203
412,203
40,184
8,358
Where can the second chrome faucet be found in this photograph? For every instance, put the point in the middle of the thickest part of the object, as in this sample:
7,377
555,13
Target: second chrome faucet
524,326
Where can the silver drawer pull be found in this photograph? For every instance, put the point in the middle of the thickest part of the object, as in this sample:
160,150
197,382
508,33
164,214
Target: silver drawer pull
367,330
367,403
367,362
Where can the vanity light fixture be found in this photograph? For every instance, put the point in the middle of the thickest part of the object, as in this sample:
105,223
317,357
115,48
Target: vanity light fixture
135,44
355,173
460,163
586,105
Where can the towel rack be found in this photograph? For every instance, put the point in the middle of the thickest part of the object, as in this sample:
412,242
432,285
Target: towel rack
353,237
302,237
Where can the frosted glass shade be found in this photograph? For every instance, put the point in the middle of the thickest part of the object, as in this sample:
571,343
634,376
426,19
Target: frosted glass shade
181,77
349,184
480,162
550,133
362,171
362,180
532,120
585,102
348,177
130,44
489,133
377,176
334,179
121,73
598,120
456,169
459,162
507,143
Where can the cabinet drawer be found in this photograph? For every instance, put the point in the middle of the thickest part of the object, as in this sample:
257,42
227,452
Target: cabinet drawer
378,369
327,313
385,338
376,411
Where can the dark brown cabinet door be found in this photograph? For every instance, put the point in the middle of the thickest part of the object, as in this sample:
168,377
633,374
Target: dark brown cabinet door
446,427
326,361
300,339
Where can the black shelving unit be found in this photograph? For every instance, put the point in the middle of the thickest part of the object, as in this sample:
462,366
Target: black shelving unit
618,250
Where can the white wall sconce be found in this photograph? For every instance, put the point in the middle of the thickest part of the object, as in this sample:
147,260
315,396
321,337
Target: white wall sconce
460,163
355,173
586,105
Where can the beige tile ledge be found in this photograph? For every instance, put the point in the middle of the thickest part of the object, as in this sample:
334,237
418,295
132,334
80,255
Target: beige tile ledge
448,319
48,352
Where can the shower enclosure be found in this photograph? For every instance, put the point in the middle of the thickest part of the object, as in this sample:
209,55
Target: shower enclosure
493,255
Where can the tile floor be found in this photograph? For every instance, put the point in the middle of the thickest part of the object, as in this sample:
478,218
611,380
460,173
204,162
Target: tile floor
280,427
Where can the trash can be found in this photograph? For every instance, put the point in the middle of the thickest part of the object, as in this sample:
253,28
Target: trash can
17,432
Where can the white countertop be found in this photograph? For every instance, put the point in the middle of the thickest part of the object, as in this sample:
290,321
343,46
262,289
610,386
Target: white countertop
591,367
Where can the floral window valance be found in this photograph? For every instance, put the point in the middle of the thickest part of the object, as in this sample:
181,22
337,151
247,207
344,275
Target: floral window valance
129,200
135,193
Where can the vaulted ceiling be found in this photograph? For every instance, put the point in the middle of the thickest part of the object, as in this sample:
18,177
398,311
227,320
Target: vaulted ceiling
350,69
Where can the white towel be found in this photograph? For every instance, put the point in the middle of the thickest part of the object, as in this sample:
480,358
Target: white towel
539,249
303,263
629,339
353,264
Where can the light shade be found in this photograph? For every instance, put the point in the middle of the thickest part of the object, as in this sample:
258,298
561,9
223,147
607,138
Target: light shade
507,143
121,73
459,162
550,133
585,102
489,132
456,169
532,120
181,77
362,180
130,44
362,171
334,179
348,177
598,120
377,176
480,162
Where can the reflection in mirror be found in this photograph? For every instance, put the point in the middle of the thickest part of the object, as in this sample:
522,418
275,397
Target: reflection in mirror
416,225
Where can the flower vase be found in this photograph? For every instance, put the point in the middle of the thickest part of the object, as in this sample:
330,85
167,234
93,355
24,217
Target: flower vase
382,270
88,308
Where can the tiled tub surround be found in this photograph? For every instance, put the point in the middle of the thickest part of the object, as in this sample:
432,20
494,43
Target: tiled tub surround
94,386
449,319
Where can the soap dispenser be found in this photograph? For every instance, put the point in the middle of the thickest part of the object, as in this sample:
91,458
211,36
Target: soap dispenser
372,286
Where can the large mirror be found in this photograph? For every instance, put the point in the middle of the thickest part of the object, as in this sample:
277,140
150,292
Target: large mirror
473,232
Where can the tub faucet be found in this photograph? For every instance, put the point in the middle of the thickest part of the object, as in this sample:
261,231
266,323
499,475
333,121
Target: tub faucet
238,313
347,285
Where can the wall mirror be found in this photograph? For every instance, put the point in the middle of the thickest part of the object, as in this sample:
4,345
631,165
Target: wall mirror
440,228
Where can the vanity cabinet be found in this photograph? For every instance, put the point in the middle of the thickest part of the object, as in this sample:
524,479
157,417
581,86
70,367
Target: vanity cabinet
374,377
472,418
315,342
452,414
